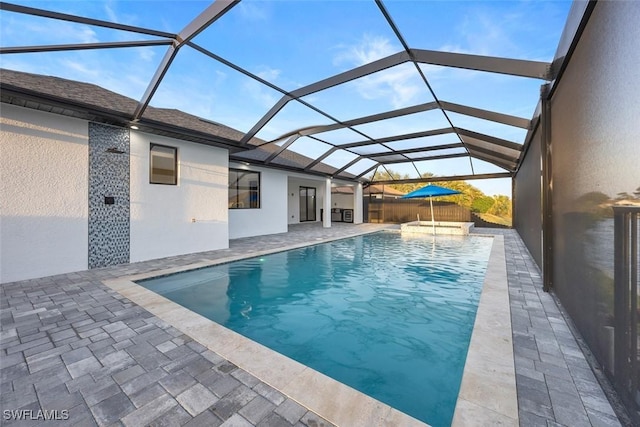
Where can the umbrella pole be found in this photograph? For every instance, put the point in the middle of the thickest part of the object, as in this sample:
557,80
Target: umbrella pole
433,221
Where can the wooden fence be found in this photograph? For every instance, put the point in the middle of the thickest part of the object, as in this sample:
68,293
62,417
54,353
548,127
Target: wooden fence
406,210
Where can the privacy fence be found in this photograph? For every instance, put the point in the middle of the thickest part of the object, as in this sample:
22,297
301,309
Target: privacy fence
405,210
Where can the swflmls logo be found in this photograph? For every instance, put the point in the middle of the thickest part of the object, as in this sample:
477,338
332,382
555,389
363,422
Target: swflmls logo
40,414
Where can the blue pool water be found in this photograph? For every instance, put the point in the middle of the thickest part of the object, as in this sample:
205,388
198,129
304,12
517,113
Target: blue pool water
388,314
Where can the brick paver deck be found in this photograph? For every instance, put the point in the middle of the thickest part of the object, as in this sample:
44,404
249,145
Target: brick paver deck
69,343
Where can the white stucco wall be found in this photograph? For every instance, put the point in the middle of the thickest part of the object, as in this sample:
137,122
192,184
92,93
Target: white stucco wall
161,215
43,194
342,201
294,183
271,217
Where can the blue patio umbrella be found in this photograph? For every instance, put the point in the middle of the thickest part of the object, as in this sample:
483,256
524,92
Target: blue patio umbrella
430,191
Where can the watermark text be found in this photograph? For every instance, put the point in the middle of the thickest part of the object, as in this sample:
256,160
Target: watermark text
40,414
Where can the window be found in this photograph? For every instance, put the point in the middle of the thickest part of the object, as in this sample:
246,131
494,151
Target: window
163,165
244,189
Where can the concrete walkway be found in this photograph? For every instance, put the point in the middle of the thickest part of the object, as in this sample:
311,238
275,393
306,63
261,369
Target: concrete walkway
70,345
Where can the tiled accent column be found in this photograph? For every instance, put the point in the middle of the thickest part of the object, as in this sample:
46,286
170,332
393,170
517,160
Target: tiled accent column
109,205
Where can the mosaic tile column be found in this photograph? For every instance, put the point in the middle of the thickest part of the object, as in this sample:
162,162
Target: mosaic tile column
109,205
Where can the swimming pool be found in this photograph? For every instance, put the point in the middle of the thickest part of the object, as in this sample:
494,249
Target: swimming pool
387,314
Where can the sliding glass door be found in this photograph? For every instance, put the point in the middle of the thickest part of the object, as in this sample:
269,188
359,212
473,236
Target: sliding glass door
307,204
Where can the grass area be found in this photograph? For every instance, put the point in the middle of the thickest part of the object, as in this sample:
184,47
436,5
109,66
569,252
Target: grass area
496,219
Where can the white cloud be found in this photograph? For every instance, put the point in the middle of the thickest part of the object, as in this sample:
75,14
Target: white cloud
111,14
254,11
399,85
269,74
147,54
261,93
59,32
370,48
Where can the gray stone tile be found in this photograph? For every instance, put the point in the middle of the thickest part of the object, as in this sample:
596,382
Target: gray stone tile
83,367
291,411
212,357
257,409
553,370
76,355
226,367
149,412
28,345
174,417
128,374
205,419
245,378
146,395
597,402
198,366
274,420
142,381
313,420
15,399
561,385
568,408
181,363
599,419
103,391
112,409
269,393
82,383
147,356
117,360
38,349
224,385
80,416
166,346
115,326
13,372
233,402
530,373
237,421
67,333
177,382
196,399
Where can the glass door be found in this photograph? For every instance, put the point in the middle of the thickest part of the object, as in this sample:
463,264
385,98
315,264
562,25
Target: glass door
307,204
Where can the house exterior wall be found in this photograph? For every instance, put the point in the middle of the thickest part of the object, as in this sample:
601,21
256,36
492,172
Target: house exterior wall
271,217
595,159
162,215
293,196
43,194
342,201
527,196
56,171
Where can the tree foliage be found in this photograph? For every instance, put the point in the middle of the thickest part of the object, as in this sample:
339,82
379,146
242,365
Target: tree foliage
501,206
471,197
482,204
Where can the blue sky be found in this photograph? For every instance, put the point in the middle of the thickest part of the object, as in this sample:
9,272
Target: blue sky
294,43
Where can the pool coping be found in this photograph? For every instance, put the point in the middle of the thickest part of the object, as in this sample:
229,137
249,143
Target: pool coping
487,391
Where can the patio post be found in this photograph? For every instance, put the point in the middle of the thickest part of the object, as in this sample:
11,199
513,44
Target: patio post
326,204
357,204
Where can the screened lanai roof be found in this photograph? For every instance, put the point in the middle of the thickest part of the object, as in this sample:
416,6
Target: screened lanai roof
336,88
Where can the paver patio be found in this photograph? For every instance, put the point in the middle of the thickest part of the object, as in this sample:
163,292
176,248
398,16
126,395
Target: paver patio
70,343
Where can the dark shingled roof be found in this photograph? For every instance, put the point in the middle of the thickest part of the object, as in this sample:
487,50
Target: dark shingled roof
91,102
